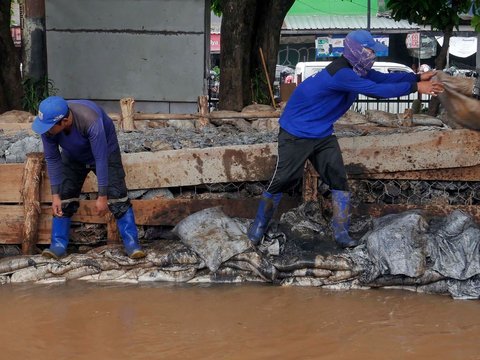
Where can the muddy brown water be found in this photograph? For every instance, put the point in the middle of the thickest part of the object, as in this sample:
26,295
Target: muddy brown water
78,320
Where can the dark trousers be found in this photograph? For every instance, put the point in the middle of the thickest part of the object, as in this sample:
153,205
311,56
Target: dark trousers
74,175
324,154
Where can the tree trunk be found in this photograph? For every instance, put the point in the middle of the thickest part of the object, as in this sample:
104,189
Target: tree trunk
268,25
440,63
441,60
237,30
11,91
247,26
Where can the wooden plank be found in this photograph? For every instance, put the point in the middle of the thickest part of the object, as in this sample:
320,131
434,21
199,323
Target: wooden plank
310,182
11,183
471,173
31,201
171,168
11,180
188,167
199,166
213,115
244,115
166,212
11,224
426,150
421,150
171,211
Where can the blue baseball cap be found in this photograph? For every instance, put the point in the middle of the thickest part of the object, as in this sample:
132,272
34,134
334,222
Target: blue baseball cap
51,110
364,38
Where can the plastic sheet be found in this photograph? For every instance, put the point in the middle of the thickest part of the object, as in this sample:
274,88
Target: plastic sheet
213,236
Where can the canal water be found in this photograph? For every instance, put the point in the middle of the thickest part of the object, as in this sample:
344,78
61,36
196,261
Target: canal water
77,320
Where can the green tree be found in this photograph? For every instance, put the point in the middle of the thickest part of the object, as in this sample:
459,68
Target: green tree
440,15
476,15
11,90
247,26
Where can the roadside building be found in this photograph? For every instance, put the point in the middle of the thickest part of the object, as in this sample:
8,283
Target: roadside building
314,31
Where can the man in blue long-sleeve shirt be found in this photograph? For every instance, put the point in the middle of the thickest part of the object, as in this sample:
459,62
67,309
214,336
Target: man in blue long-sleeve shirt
306,127
89,142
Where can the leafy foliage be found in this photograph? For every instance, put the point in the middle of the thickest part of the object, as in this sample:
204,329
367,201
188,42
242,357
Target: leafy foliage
216,70
439,14
216,7
35,91
259,84
476,15
11,12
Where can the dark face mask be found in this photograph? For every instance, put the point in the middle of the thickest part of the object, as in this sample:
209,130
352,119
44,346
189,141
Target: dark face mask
360,58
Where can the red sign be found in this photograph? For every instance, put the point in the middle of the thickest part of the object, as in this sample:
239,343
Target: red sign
413,41
215,43
16,35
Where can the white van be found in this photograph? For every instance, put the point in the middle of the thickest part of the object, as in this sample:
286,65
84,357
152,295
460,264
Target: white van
305,69
398,105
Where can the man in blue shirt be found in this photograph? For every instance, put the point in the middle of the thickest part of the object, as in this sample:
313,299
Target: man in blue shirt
89,142
306,127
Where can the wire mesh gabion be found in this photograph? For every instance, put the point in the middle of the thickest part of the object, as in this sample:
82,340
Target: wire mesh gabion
368,191
243,189
416,192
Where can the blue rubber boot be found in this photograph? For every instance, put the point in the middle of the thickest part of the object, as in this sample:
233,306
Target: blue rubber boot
266,209
128,231
341,219
59,240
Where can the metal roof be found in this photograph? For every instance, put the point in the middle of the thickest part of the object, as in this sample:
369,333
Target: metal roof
314,24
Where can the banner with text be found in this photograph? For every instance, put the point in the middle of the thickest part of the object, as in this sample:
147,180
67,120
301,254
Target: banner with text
332,46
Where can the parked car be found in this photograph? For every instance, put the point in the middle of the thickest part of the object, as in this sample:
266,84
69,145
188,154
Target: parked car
305,69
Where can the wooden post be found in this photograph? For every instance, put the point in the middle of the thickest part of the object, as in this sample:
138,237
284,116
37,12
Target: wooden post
30,195
113,237
203,111
299,79
310,183
127,122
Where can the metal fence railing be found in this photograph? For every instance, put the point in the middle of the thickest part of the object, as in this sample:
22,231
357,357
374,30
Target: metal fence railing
393,105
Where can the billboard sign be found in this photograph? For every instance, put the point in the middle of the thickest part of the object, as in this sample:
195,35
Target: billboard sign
16,35
332,46
215,43
413,41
